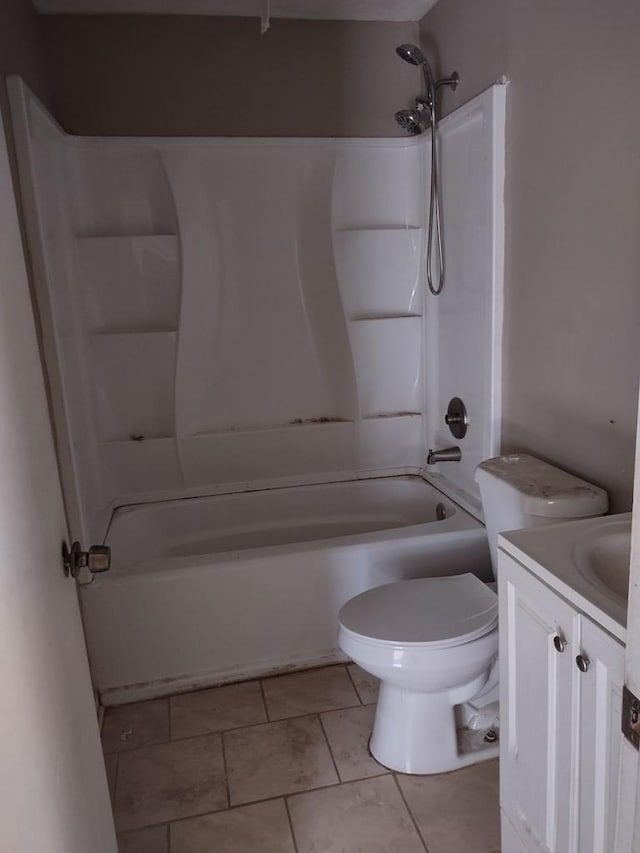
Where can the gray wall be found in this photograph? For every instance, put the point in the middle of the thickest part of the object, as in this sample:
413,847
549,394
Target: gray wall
190,76
572,198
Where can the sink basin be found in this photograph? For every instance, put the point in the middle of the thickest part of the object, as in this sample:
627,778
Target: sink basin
604,554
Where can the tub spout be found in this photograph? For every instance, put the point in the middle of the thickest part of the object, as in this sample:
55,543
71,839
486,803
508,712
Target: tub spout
449,454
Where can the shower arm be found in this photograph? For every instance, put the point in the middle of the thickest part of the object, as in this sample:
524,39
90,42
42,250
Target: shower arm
432,87
448,81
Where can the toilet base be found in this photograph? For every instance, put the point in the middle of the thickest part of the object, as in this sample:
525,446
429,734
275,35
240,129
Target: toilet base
416,733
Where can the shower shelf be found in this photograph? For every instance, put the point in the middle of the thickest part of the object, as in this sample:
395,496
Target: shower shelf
317,422
130,284
137,236
348,229
367,318
137,439
128,335
382,416
123,331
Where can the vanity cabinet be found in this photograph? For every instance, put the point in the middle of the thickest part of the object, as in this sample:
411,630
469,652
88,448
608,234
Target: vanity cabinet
561,678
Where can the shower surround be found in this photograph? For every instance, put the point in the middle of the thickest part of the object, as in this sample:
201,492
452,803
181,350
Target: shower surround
224,316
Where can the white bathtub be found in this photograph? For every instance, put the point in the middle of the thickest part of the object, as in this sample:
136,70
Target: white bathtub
214,589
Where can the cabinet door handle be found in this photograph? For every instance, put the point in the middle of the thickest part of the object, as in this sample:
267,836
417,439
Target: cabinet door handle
559,643
583,662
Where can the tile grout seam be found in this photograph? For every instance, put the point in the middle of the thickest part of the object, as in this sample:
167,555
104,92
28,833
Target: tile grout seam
280,796
225,770
290,819
264,701
331,755
409,812
353,683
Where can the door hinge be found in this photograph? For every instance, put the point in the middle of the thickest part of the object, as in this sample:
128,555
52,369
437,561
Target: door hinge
631,717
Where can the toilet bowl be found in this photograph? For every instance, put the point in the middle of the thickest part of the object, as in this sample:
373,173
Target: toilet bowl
433,642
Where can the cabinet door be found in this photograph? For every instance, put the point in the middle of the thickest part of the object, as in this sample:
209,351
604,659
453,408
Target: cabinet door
598,725
536,702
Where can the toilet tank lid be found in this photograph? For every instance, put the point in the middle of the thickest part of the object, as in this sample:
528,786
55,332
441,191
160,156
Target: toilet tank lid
543,489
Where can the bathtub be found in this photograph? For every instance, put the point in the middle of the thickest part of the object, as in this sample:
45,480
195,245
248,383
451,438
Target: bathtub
222,588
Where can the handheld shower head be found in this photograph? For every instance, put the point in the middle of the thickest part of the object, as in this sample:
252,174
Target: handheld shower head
412,54
410,120
414,122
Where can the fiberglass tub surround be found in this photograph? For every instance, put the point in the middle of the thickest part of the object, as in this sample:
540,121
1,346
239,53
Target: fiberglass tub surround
225,312
245,316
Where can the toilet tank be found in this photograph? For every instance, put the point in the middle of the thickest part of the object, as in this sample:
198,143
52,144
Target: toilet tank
519,491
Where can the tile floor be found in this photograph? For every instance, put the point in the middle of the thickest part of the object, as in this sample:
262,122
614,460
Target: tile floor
281,765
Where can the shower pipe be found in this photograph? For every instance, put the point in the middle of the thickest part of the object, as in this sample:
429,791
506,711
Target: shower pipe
413,121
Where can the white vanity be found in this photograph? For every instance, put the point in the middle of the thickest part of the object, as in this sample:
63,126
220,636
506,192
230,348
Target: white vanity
563,602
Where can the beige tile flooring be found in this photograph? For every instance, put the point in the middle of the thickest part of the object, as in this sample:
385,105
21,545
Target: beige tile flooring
281,765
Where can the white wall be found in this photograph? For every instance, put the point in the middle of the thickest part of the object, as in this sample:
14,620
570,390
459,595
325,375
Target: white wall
53,787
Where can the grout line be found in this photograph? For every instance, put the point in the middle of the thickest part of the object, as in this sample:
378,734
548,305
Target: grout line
226,773
144,828
167,823
234,729
264,700
292,830
355,686
168,838
413,820
308,790
326,737
254,725
283,795
311,713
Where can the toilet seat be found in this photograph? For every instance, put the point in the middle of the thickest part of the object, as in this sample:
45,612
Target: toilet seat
433,612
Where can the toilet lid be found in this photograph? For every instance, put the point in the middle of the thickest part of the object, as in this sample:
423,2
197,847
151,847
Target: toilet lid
439,611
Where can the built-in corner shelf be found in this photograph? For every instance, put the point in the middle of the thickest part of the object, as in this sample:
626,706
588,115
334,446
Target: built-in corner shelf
349,229
291,426
379,416
387,358
367,318
130,281
379,270
134,378
140,438
135,237
142,466
120,332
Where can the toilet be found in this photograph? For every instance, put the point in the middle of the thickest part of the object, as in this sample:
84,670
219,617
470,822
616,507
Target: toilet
433,642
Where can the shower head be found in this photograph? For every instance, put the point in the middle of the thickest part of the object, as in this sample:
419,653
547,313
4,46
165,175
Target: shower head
412,54
410,120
